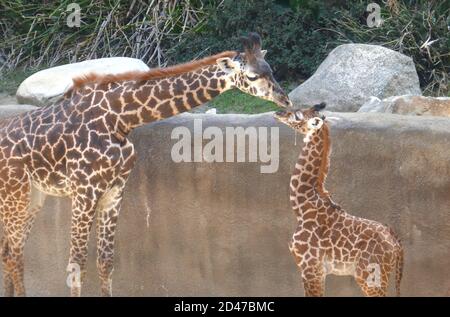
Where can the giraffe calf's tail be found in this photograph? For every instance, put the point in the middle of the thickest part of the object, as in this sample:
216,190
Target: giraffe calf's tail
398,269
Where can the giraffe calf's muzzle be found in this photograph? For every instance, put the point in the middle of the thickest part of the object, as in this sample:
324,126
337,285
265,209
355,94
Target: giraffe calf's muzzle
282,114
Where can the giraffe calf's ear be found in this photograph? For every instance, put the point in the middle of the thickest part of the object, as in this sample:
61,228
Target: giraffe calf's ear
227,65
263,53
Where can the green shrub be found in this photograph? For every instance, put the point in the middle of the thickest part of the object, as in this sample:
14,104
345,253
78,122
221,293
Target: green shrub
34,34
295,48
299,34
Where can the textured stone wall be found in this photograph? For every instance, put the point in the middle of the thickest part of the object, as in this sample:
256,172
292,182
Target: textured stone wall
191,229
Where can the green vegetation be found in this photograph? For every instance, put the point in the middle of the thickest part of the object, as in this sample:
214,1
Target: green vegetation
34,34
406,27
11,80
235,101
298,35
295,46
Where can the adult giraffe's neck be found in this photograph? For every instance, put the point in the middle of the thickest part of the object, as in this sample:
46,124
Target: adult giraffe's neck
142,102
307,181
325,160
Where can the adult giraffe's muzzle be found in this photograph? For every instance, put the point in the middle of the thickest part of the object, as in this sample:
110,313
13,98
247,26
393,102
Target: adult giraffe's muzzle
281,98
283,101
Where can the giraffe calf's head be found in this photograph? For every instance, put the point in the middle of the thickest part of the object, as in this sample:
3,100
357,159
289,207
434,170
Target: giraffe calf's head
304,121
249,72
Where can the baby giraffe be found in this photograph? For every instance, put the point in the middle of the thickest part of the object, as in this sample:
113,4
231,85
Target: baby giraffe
328,240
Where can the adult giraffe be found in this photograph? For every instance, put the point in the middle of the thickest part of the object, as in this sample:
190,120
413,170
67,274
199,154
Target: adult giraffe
78,147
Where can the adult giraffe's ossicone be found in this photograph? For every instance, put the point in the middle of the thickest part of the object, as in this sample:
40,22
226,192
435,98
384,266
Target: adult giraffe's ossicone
78,147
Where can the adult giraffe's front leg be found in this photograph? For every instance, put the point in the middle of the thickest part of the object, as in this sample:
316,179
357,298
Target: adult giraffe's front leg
107,215
83,210
108,210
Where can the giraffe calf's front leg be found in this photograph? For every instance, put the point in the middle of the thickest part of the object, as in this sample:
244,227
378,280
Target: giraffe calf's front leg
313,282
370,290
372,278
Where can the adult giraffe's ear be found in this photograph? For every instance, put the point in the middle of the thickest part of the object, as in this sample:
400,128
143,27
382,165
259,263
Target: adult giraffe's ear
227,65
263,53
320,106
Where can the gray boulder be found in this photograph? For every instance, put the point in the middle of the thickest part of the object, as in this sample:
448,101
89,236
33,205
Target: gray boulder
409,105
352,73
45,86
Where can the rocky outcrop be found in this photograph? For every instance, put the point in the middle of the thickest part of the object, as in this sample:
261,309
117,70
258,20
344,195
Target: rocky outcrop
45,86
222,229
352,73
409,105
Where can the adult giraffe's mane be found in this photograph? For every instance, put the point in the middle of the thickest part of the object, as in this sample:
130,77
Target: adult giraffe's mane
325,162
156,73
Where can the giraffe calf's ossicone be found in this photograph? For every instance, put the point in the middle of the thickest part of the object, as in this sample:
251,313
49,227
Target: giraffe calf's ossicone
328,240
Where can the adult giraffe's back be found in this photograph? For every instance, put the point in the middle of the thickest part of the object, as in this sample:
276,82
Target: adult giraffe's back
78,147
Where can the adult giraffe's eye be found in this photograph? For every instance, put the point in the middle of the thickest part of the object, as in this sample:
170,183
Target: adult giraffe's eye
252,76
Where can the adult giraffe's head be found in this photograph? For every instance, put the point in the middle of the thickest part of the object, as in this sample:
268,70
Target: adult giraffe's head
304,121
249,72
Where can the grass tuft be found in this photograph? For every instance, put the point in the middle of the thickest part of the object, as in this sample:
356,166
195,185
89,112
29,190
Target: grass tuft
235,101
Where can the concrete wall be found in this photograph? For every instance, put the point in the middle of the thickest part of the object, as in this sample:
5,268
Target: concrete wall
190,229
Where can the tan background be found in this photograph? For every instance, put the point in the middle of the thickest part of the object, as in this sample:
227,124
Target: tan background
222,228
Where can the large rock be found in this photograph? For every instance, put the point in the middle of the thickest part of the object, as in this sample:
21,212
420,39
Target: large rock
353,72
45,86
409,105
222,229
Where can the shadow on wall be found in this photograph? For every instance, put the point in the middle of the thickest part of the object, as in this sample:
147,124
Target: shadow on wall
192,229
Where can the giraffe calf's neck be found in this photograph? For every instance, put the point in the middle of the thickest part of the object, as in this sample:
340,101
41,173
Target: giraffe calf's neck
312,168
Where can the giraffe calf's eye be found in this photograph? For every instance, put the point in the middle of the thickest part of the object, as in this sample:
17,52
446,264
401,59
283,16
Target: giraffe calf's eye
252,77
